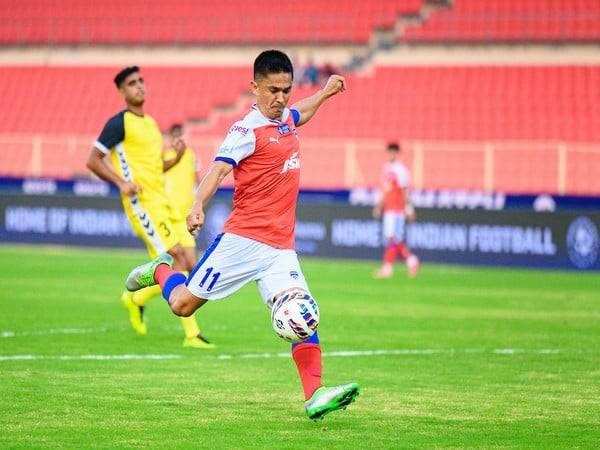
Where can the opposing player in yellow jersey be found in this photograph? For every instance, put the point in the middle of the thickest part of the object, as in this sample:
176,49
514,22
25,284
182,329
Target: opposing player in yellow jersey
134,143
180,183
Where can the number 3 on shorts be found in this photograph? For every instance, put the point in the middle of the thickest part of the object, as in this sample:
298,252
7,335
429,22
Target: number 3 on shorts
213,281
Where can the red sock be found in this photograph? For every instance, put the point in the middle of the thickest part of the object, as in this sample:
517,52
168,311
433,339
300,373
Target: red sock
162,274
403,250
390,254
308,361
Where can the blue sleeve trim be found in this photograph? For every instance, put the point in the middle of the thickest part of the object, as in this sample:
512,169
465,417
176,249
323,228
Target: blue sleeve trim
227,160
113,132
295,116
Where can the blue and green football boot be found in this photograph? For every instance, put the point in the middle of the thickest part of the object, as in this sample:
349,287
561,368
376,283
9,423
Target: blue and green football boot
143,276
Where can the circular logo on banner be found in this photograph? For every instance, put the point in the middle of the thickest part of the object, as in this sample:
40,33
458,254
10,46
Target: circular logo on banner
582,243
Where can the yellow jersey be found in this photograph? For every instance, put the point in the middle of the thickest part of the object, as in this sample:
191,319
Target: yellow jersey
135,144
180,181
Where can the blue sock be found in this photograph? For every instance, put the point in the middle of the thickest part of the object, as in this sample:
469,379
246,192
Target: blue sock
314,339
172,282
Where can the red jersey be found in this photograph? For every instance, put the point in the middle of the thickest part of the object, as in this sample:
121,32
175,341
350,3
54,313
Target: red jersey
266,171
395,180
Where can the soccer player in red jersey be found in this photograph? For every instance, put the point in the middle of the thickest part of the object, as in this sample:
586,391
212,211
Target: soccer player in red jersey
257,243
396,208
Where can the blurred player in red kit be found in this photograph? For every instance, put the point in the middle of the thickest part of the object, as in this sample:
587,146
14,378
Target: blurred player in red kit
396,209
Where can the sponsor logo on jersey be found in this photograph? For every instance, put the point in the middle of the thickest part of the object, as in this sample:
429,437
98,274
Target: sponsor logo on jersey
291,164
582,243
238,129
274,139
283,129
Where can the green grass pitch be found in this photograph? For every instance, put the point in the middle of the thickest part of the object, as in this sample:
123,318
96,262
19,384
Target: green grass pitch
483,358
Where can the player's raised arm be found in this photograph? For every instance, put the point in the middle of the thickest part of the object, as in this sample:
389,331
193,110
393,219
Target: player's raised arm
308,106
206,189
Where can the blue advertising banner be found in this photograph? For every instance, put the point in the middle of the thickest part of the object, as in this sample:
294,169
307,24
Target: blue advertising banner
428,199
565,240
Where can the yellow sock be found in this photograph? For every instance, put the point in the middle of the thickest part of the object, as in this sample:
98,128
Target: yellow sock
142,296
190,326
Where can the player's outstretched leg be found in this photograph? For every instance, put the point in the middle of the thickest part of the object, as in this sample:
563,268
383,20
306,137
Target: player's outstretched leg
319,400
159,271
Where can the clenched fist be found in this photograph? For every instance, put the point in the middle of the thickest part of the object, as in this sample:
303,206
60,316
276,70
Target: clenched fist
195,220
335,84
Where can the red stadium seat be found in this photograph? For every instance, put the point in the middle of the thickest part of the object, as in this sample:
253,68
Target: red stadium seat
511,21
452,113
80,99
196,21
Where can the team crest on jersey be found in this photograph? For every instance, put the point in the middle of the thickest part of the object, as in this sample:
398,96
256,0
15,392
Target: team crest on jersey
283,129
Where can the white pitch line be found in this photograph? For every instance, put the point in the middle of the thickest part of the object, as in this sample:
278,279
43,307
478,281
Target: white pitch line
400,352
105,329
513,351
342,354
10,334
85,357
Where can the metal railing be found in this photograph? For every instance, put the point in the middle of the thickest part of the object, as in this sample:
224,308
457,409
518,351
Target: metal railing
504,166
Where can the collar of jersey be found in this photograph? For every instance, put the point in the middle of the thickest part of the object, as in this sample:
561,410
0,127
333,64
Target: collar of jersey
275,121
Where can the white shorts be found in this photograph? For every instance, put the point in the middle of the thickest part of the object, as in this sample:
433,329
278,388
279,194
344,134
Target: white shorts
233,261
393,226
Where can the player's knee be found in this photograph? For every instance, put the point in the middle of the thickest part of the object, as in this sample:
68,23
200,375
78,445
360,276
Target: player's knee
181,308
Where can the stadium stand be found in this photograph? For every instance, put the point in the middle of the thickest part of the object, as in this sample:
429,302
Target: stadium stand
449,105
460,103
80,99
462,126
510,21
196,21
464,103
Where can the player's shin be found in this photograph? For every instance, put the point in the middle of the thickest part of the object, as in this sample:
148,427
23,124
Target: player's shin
307,356
190,327
168,279
403,251
141,297
389,257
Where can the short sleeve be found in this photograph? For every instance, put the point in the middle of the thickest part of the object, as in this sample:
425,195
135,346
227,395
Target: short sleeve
295,116
402,176
112,134
238,144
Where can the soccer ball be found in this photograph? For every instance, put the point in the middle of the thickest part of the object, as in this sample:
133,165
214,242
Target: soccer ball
295,316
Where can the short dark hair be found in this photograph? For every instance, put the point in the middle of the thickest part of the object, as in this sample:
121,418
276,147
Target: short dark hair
393,147
272,61
175,127
124,73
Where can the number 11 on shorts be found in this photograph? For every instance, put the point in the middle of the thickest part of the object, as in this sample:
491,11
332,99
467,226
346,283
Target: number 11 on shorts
215,277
